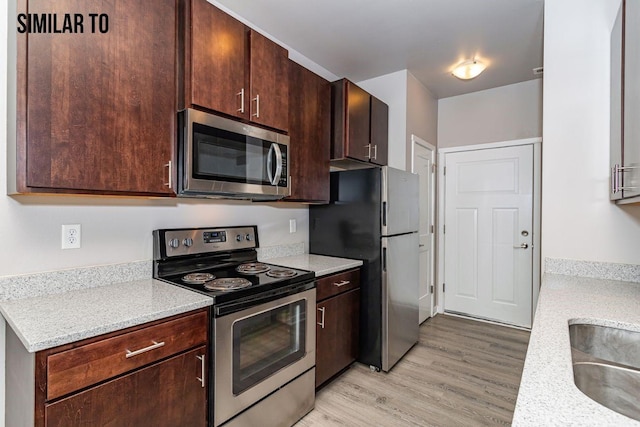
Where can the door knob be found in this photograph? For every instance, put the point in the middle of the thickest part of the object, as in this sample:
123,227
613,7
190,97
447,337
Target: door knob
522,246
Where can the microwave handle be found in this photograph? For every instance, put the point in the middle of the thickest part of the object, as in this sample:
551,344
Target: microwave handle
270,163
276,179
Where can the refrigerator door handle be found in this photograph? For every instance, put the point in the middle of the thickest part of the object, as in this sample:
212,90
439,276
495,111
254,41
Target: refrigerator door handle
384,259
384,214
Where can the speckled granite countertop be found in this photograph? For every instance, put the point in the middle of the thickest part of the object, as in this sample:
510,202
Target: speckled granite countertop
50,320
548,395
320,264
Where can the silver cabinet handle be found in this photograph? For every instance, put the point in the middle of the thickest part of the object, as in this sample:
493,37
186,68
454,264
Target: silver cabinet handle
375,152
241,95
144,350
201,378
321,323
342,283
615,178
522,246
168,165
257,99
368,147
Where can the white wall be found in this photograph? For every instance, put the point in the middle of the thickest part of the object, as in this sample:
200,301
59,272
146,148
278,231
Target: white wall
500,114
578,221
422,115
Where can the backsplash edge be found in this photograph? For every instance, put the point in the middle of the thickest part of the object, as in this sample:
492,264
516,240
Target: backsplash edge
55,282
593,269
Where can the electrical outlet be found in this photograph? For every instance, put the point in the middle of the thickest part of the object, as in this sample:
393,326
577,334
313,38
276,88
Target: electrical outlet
292,226
71,236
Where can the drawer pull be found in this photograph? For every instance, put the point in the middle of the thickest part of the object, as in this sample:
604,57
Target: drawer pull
344,282
144,350
201,377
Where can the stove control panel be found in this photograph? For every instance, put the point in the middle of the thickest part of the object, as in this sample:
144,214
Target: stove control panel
193,241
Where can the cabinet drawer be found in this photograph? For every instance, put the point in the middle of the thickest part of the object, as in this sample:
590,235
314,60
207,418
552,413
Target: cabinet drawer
337,283
88,364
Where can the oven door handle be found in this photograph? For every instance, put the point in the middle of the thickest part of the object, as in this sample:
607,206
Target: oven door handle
239,305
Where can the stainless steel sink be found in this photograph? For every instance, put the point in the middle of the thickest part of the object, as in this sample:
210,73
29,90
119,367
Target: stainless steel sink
606,366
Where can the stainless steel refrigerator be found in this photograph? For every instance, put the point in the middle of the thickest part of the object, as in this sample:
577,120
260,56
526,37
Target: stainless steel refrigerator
373,216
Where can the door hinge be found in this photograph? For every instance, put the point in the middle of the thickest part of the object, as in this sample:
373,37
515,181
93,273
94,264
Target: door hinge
431,289
444,170
443,286
433,168
432,229
444,229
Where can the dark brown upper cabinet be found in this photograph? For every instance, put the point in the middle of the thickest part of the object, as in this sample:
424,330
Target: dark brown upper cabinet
96,112
360,124
229,68
310,133
379,132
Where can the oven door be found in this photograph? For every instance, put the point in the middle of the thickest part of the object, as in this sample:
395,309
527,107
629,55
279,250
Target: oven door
222,157
260,349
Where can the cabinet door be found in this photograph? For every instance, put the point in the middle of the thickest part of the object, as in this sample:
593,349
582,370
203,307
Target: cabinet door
615,110
336,334
309,132
218,58
269,82
630,177
168,393
351,110
379,132
101,107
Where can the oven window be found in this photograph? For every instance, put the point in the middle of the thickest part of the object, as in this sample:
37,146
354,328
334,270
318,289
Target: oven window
228,156
267,342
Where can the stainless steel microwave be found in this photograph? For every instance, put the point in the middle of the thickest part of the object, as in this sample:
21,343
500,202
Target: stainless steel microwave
223,158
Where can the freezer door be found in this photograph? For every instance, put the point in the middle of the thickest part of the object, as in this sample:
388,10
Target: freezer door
399,297
399,202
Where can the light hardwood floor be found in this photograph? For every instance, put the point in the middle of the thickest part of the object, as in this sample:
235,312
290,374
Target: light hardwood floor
461,373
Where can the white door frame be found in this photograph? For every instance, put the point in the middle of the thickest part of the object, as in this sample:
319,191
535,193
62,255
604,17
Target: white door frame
537,176
415,140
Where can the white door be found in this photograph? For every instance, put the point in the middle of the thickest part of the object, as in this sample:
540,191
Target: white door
423,157
488,234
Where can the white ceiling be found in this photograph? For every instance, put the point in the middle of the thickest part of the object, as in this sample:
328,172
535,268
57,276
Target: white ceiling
362,39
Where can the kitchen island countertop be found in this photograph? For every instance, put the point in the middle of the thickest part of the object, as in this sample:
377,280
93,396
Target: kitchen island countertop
320,264
51,320
548,395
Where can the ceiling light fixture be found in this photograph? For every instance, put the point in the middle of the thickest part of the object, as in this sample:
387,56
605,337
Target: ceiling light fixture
469,69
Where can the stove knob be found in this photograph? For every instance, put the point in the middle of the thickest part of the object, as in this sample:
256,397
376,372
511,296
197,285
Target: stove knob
188,242
174,243
238,237
249,237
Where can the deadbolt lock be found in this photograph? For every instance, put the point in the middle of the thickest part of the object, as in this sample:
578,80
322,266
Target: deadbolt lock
525,233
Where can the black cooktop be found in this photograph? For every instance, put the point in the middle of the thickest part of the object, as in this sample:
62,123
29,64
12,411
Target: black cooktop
218,251
259,282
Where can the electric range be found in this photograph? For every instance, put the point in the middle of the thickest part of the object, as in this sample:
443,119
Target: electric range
263,323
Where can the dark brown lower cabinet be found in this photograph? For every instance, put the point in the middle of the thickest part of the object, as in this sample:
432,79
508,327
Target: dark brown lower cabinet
154,374
167,393
337,328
